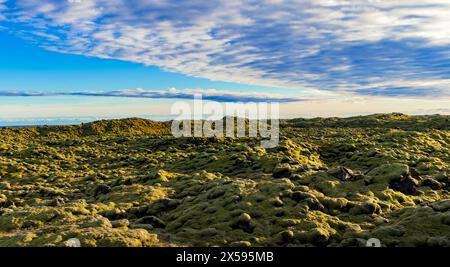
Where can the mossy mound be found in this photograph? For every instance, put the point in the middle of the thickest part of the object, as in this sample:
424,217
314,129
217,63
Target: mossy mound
134,126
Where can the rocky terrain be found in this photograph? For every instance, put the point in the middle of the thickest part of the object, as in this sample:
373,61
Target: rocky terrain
330,182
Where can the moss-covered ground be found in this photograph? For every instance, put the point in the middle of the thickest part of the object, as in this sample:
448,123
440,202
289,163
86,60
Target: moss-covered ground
330,182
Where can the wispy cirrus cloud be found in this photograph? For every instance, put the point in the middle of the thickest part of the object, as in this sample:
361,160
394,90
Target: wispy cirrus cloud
330,45
206,94
2,8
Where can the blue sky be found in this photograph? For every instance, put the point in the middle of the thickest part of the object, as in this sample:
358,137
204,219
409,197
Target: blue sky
362,54
45,70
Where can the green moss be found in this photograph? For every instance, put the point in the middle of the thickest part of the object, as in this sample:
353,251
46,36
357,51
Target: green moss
331,182
389,172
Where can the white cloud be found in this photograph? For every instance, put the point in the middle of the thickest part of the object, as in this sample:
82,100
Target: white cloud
206,94
251,42
432,87
340,68
2,9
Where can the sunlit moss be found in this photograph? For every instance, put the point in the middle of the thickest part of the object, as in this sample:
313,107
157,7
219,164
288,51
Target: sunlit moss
330,182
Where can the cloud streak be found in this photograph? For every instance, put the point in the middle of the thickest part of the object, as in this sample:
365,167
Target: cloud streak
188,94
323,45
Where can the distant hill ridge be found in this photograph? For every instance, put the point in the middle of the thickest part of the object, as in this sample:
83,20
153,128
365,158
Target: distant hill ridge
138,126
391,120
131,126
127,126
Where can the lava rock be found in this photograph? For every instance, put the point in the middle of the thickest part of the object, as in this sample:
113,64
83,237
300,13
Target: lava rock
123,223
414,174
244,218
216,193
317,236
7,204
431,183
299,196
163,205
342,174
407,185
443,178
153,221
445,218
57,202
314,204
365,208
441,206
389,172
284,237
282,171
277,202
114,214
96,221
244,222
102,190
208,232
